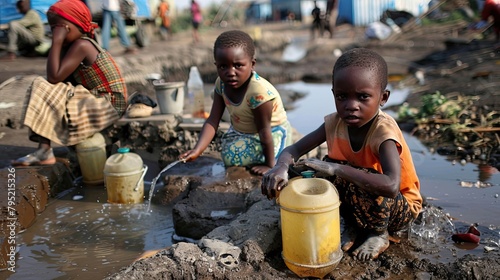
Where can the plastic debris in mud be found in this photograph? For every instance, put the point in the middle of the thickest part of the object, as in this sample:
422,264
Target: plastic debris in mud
471,236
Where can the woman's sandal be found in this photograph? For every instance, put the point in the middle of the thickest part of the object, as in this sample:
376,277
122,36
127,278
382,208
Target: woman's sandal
39,157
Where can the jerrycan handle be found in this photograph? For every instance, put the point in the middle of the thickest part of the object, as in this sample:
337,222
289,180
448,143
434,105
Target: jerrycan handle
175,94
145,169
305,174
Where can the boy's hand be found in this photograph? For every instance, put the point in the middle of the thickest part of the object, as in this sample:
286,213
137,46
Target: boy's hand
324,168
274,181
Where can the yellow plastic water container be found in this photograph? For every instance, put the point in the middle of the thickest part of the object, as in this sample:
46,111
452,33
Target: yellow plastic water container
310,226
91,155
124,177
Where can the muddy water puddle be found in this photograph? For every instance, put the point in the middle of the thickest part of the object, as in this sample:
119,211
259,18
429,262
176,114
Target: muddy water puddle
81,236
88,237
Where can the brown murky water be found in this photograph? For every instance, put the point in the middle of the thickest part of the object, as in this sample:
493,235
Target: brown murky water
81,236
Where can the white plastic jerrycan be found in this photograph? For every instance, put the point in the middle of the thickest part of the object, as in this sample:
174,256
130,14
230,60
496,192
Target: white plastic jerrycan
124,177
91,154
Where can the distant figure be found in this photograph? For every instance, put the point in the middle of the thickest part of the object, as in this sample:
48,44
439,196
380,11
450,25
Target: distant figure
491,8
197,18
332,12
163,13
316,24
111,13
83,92
259,126
290,17
26,33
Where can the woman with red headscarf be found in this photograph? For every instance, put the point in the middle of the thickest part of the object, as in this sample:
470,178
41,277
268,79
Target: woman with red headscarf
84,92
491,8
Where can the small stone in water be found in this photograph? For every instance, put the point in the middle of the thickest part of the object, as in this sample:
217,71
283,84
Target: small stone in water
488,249
77,197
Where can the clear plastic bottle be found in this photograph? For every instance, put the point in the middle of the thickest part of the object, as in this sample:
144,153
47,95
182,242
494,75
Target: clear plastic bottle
196,94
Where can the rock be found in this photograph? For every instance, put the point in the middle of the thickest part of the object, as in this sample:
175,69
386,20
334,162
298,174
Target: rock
14,94
211,206
177,188
225,253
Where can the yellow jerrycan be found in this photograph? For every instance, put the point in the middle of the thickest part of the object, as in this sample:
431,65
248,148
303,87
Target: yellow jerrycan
124,177
91,154
310,226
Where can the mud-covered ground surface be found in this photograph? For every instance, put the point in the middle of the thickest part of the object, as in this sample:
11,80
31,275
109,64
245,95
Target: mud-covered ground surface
412,258
251,247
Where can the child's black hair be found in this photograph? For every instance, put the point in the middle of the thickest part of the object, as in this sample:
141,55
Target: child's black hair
19,4
364,58
235,38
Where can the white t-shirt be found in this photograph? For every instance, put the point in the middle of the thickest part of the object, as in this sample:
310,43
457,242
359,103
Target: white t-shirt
111,5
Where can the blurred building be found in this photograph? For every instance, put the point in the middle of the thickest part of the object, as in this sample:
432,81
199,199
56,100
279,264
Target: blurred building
355,12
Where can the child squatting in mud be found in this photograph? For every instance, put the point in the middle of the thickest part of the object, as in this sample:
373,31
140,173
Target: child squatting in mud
259,126
368,159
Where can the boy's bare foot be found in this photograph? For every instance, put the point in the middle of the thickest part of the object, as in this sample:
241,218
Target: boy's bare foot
350,235
376,243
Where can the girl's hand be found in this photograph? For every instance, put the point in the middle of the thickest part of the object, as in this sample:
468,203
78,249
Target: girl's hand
274,181
59,32
323,167
260,169
189,156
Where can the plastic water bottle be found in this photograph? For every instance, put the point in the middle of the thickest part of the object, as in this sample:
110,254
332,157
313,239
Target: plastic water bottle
196,94
393,25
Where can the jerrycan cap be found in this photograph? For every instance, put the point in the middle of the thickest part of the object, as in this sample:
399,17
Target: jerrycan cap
307,174
123,150
123,162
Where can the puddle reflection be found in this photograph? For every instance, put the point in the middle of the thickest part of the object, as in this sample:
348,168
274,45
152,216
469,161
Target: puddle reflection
87,238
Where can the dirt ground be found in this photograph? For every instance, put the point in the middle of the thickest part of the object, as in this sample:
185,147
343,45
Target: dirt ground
440,53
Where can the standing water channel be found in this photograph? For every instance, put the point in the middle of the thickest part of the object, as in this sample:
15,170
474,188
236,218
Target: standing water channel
81,236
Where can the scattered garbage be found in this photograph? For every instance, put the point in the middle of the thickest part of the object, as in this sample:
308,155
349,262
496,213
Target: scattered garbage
471,236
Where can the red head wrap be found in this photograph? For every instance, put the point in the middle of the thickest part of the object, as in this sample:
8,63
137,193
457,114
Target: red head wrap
76,12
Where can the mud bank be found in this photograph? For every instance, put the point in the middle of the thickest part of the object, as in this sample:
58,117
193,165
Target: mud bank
251,243
249,246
